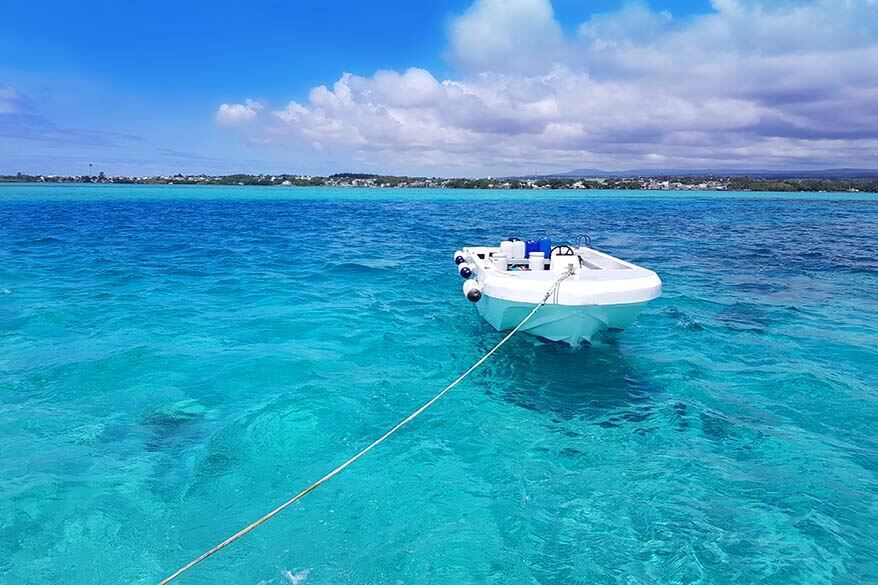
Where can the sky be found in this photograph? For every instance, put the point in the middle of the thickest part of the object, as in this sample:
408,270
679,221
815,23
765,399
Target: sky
439,88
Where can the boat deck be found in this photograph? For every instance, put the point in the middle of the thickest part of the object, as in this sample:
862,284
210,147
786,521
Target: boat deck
589,264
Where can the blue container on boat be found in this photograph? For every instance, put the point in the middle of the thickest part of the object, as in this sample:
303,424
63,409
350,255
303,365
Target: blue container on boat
545,246
531,246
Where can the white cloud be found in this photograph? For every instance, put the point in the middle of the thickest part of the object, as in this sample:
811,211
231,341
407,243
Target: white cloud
634,23
754,83
506,35
232,114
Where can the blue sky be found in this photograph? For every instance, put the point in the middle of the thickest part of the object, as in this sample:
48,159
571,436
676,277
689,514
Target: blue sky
484,87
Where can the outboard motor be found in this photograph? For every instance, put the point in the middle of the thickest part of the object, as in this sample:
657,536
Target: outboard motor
465,271
458,258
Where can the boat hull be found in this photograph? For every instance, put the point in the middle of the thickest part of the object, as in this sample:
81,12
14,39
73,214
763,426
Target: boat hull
572,324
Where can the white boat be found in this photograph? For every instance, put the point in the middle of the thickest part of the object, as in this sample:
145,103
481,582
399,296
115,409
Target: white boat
602,292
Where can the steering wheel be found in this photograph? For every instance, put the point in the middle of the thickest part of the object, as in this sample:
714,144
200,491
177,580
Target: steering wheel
562,251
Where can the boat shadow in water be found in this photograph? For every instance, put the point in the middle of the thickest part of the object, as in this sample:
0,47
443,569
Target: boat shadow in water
594,382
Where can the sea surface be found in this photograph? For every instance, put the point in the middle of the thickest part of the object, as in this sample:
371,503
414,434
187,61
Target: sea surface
177,360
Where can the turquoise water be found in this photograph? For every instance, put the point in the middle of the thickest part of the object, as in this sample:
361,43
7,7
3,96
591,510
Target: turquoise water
178,360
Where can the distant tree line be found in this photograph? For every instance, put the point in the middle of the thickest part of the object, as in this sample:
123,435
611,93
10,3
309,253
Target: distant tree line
375,180
803,185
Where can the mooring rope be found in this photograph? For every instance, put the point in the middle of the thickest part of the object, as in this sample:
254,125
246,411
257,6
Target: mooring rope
371,446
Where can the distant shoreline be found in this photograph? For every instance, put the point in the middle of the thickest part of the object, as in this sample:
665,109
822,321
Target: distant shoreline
656,183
